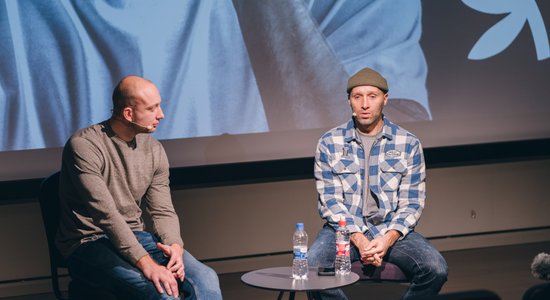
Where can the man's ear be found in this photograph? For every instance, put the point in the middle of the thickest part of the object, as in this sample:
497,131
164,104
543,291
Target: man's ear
128,113
385,99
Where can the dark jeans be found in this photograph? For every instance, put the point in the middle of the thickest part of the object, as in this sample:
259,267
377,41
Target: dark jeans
98,264
415,255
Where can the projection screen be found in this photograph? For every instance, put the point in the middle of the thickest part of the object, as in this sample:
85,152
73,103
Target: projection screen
261,80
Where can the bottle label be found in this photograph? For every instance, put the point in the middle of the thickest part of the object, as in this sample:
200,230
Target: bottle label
342,248
300,252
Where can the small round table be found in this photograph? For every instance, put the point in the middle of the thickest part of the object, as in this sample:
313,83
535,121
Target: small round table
280,279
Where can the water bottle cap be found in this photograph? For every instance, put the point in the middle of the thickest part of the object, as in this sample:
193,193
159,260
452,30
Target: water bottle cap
300,226
342,221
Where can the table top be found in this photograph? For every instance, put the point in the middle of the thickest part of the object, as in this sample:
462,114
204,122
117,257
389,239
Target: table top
280,279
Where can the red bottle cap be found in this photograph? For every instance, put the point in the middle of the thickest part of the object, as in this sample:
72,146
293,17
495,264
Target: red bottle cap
342,221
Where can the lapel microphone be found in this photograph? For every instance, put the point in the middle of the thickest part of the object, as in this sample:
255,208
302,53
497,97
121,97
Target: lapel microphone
148,127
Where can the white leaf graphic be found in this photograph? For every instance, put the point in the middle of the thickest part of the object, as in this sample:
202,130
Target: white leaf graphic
498,37
502,34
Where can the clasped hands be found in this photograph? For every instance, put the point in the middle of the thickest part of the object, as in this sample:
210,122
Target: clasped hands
372,252
164,277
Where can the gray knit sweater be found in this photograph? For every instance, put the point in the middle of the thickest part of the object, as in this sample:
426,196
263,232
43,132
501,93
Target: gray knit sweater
102,184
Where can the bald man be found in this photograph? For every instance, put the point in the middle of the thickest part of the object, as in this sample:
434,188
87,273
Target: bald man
111,171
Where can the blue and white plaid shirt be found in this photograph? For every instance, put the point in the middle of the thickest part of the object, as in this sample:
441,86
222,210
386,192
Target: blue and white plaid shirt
397,176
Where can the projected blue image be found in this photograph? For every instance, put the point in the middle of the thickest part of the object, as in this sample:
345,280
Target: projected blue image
497,38
221,66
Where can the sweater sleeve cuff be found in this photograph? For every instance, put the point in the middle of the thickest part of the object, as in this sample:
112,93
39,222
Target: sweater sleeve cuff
174,240
136,254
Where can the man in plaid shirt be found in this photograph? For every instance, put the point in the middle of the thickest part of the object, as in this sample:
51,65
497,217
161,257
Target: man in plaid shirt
382,205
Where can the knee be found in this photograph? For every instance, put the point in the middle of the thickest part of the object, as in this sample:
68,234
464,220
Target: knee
210,276
317,253
313,255
206,277
441,274
322,251
438,270
206,283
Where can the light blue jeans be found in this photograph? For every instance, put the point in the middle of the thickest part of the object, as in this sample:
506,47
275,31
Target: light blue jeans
415,255
98,264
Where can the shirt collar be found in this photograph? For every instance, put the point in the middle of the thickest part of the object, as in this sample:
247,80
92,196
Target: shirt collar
388,130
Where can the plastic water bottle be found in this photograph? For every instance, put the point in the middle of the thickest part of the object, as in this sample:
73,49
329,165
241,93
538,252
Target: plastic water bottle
299,263
342,264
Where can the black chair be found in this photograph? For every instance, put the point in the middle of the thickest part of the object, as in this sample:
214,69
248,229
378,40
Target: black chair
49,204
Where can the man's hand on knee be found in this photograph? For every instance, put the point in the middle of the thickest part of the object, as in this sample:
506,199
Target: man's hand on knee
175,253
162,278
